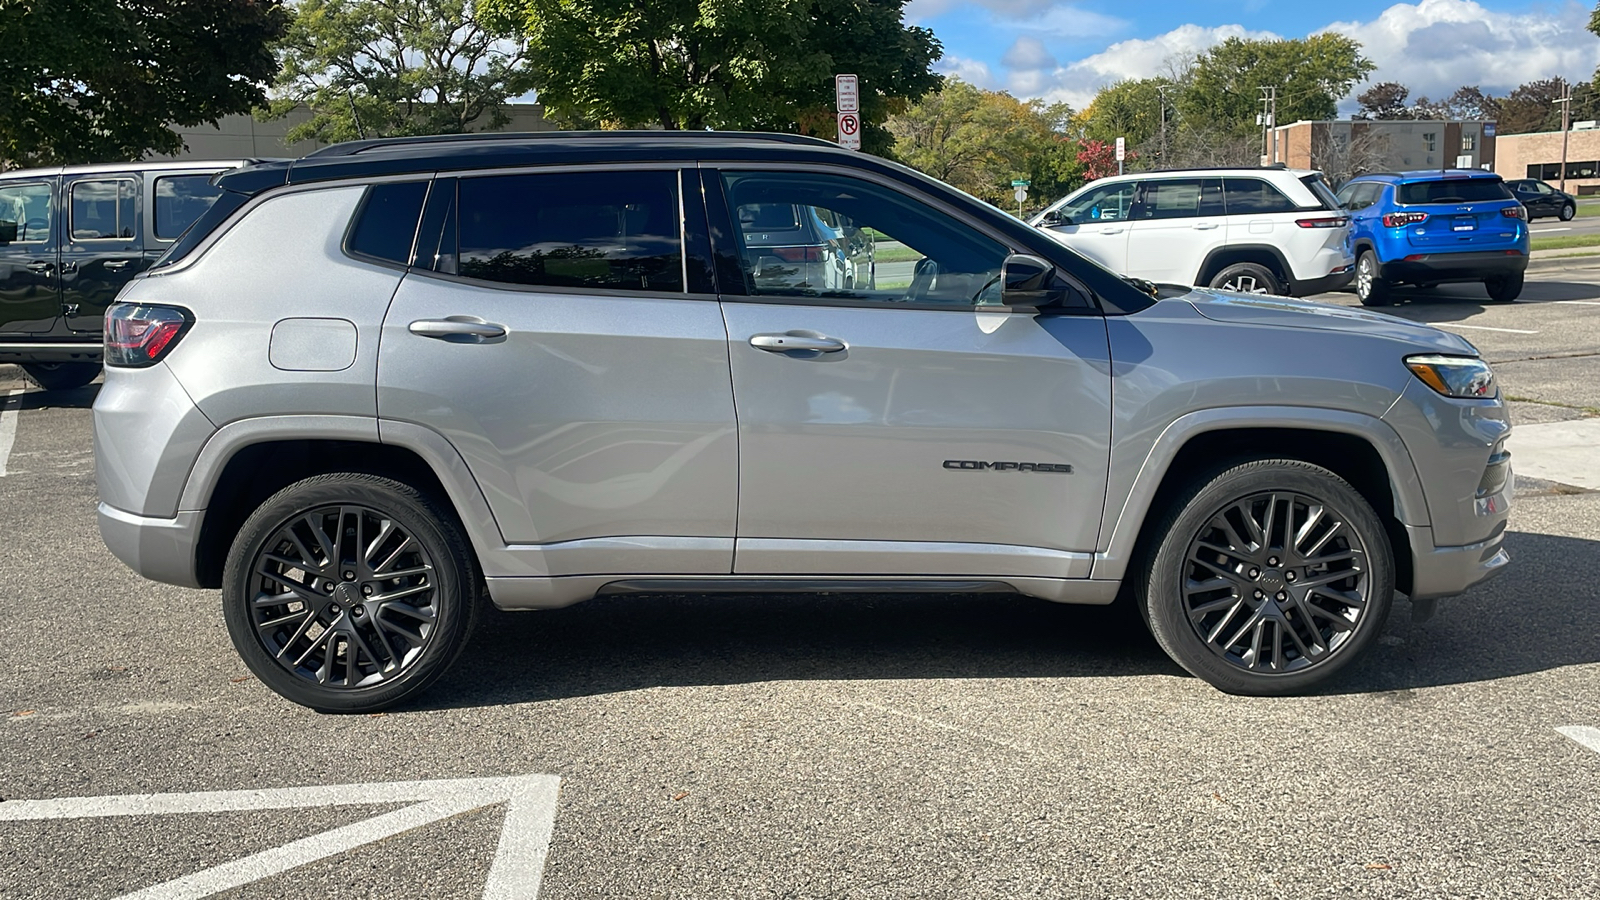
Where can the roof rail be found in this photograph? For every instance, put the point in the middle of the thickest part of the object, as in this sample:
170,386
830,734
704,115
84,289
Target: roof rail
1274,167
350,148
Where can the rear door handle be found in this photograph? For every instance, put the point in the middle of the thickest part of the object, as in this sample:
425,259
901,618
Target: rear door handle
780,343
116,265
458,329
1204,226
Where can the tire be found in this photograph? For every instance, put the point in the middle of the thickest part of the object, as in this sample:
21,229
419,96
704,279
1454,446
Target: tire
1504,288
61,376
1568,211
1371,289
1211,616
404,634
1247,278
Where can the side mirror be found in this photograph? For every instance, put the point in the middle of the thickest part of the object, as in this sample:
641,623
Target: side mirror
8,232
1027,280
1054,219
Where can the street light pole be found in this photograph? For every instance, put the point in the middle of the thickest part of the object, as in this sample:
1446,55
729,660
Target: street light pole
1566,124
1161,94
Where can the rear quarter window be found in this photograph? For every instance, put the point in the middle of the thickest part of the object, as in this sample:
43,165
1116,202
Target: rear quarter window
1254,196
386,225
1452,190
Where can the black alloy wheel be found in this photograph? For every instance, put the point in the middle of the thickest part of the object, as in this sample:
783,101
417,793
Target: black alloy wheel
348,593
1271,576
1247,278
1568,210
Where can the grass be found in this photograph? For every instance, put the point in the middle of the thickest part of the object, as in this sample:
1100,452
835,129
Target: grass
1565,241
896,254
1586,410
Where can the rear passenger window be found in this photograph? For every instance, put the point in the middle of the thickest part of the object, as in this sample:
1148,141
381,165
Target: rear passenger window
386,226
180,200
1181,198
25,210
1252,196
103,210
599,230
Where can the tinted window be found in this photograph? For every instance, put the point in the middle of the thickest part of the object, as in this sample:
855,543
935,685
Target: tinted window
102,210
180,200
387,223
27,206
1452,190
1252,196
1181,198
848,239
1102,204
1320,189
598,230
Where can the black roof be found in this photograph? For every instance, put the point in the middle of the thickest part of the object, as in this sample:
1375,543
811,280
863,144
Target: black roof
400,156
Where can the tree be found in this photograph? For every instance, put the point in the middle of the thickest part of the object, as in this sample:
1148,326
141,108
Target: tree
1129,109
1343,152
1311,75
1099,158
1532,107
979,141
1384,100
374,68
102,80
731,64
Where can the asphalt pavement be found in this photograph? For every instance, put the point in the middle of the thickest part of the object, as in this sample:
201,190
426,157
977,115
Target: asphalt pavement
781,746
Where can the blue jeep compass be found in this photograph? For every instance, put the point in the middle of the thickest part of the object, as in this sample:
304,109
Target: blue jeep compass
1426,228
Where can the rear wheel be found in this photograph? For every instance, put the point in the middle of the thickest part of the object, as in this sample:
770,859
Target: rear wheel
1504,288
1247,278
61,376
1371,289
1269,576
349,593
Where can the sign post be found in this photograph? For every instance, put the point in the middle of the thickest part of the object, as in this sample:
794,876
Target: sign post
1122,152
1021,193
847,103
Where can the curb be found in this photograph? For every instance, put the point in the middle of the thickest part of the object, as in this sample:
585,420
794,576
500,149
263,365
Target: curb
1563,263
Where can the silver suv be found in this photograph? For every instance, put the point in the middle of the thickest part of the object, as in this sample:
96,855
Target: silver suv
375,388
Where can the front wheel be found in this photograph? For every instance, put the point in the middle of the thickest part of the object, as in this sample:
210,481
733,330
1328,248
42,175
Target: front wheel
1504,288
1371,289
1268,577
1568,211
349,592
61,376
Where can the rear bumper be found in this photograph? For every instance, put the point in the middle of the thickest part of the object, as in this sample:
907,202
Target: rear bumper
158,549
1438,267
1324,284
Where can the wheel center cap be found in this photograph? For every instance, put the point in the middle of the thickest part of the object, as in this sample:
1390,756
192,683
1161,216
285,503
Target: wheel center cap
347,593
1271,581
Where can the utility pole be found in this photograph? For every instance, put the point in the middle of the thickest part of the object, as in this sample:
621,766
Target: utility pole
1161,93
1566,125
1269,119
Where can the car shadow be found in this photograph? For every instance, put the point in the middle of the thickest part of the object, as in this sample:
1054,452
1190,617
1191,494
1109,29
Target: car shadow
33,398
1542,614
1455,302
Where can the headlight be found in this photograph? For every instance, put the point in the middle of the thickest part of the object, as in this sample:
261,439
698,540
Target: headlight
1466,377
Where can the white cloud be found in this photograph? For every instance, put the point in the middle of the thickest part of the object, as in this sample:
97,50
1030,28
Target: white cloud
1436,46
971,71
1028,53
1077,82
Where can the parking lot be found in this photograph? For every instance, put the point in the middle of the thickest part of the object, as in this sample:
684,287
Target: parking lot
782,746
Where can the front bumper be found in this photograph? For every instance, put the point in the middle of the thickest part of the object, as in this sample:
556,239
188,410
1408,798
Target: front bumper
1440,267
1446,571
159,549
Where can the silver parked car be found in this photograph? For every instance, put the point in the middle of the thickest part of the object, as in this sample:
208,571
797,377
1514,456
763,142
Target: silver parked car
376,388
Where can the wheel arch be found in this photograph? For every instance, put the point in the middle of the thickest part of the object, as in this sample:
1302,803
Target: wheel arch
1361,449
240,467
1260,254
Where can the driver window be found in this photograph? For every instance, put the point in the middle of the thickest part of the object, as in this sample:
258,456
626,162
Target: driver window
27,207
833,237
1108,203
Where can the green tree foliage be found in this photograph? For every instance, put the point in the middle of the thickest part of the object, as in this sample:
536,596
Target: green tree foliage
377,68
101,80
726,64
979,141
1532,107
1129,109
1311,75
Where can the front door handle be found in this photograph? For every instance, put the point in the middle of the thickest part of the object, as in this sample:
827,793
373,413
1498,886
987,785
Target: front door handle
1113,229
458,329
1204,226
41,268
782,343
116,265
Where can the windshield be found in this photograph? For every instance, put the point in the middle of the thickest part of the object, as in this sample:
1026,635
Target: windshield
1452,190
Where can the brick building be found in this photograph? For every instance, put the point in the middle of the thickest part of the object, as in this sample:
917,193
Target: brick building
1343,149
1539,156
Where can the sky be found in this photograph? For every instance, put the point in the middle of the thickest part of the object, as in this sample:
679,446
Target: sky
1065,50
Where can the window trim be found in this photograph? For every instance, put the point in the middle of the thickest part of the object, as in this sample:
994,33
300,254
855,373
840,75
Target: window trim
713,170
72,213
49,238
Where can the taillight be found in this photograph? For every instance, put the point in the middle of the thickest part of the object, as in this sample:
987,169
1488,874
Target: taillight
1395,220
798,254
139,336
1334,222
1514,212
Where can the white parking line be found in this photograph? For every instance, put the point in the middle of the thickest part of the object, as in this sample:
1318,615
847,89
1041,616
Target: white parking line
1548,230
8,430
1578,302
1479,327
1583,734
518,866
